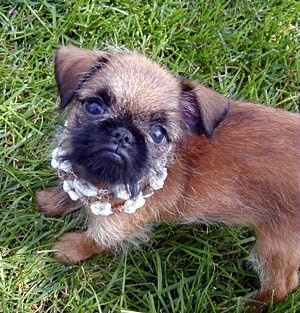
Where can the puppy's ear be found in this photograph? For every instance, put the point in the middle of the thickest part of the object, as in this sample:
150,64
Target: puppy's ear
202,109
72,67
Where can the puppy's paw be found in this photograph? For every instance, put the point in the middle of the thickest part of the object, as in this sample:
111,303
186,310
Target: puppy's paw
252,306
55,202
72,248
44,201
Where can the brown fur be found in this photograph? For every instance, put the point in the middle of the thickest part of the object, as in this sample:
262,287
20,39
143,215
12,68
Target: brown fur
246,169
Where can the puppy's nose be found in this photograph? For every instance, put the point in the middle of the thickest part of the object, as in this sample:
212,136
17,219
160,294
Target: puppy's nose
122,136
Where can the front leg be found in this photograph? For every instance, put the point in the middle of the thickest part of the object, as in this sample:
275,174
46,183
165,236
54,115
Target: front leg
72,248
54,201
103,233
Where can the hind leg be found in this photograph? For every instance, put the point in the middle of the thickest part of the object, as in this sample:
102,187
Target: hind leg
277,263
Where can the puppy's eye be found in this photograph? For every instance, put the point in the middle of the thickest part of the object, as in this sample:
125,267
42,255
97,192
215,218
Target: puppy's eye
94,107
158,134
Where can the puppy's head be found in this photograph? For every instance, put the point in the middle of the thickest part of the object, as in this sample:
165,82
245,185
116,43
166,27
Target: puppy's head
129,114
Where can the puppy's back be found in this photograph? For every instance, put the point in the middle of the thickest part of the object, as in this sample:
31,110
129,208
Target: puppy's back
250,168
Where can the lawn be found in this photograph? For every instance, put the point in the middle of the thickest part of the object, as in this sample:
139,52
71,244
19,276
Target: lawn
243,49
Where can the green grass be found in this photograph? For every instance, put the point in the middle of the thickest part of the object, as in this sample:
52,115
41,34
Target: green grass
243,49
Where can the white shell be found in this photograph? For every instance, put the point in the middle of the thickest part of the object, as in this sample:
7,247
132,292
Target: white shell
54,163
85,189
73,195
157,182
55,152
65,166
78,186
130,206
101,208
90,191
68,185
121,192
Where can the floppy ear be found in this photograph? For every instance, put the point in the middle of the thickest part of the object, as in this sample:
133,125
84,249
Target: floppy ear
202,109
72,67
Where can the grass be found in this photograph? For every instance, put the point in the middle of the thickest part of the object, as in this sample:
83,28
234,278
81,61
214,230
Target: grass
244,49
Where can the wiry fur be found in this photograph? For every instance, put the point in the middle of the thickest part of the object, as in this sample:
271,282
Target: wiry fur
228,161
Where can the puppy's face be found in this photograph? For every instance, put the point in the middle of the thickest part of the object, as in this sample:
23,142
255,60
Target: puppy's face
129,114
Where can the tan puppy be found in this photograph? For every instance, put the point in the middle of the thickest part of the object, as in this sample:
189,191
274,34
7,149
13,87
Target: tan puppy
141,146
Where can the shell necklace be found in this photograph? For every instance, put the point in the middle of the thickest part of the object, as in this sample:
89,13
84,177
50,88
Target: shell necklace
105,201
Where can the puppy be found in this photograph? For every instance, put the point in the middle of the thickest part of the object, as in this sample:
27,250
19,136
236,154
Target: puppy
142,146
